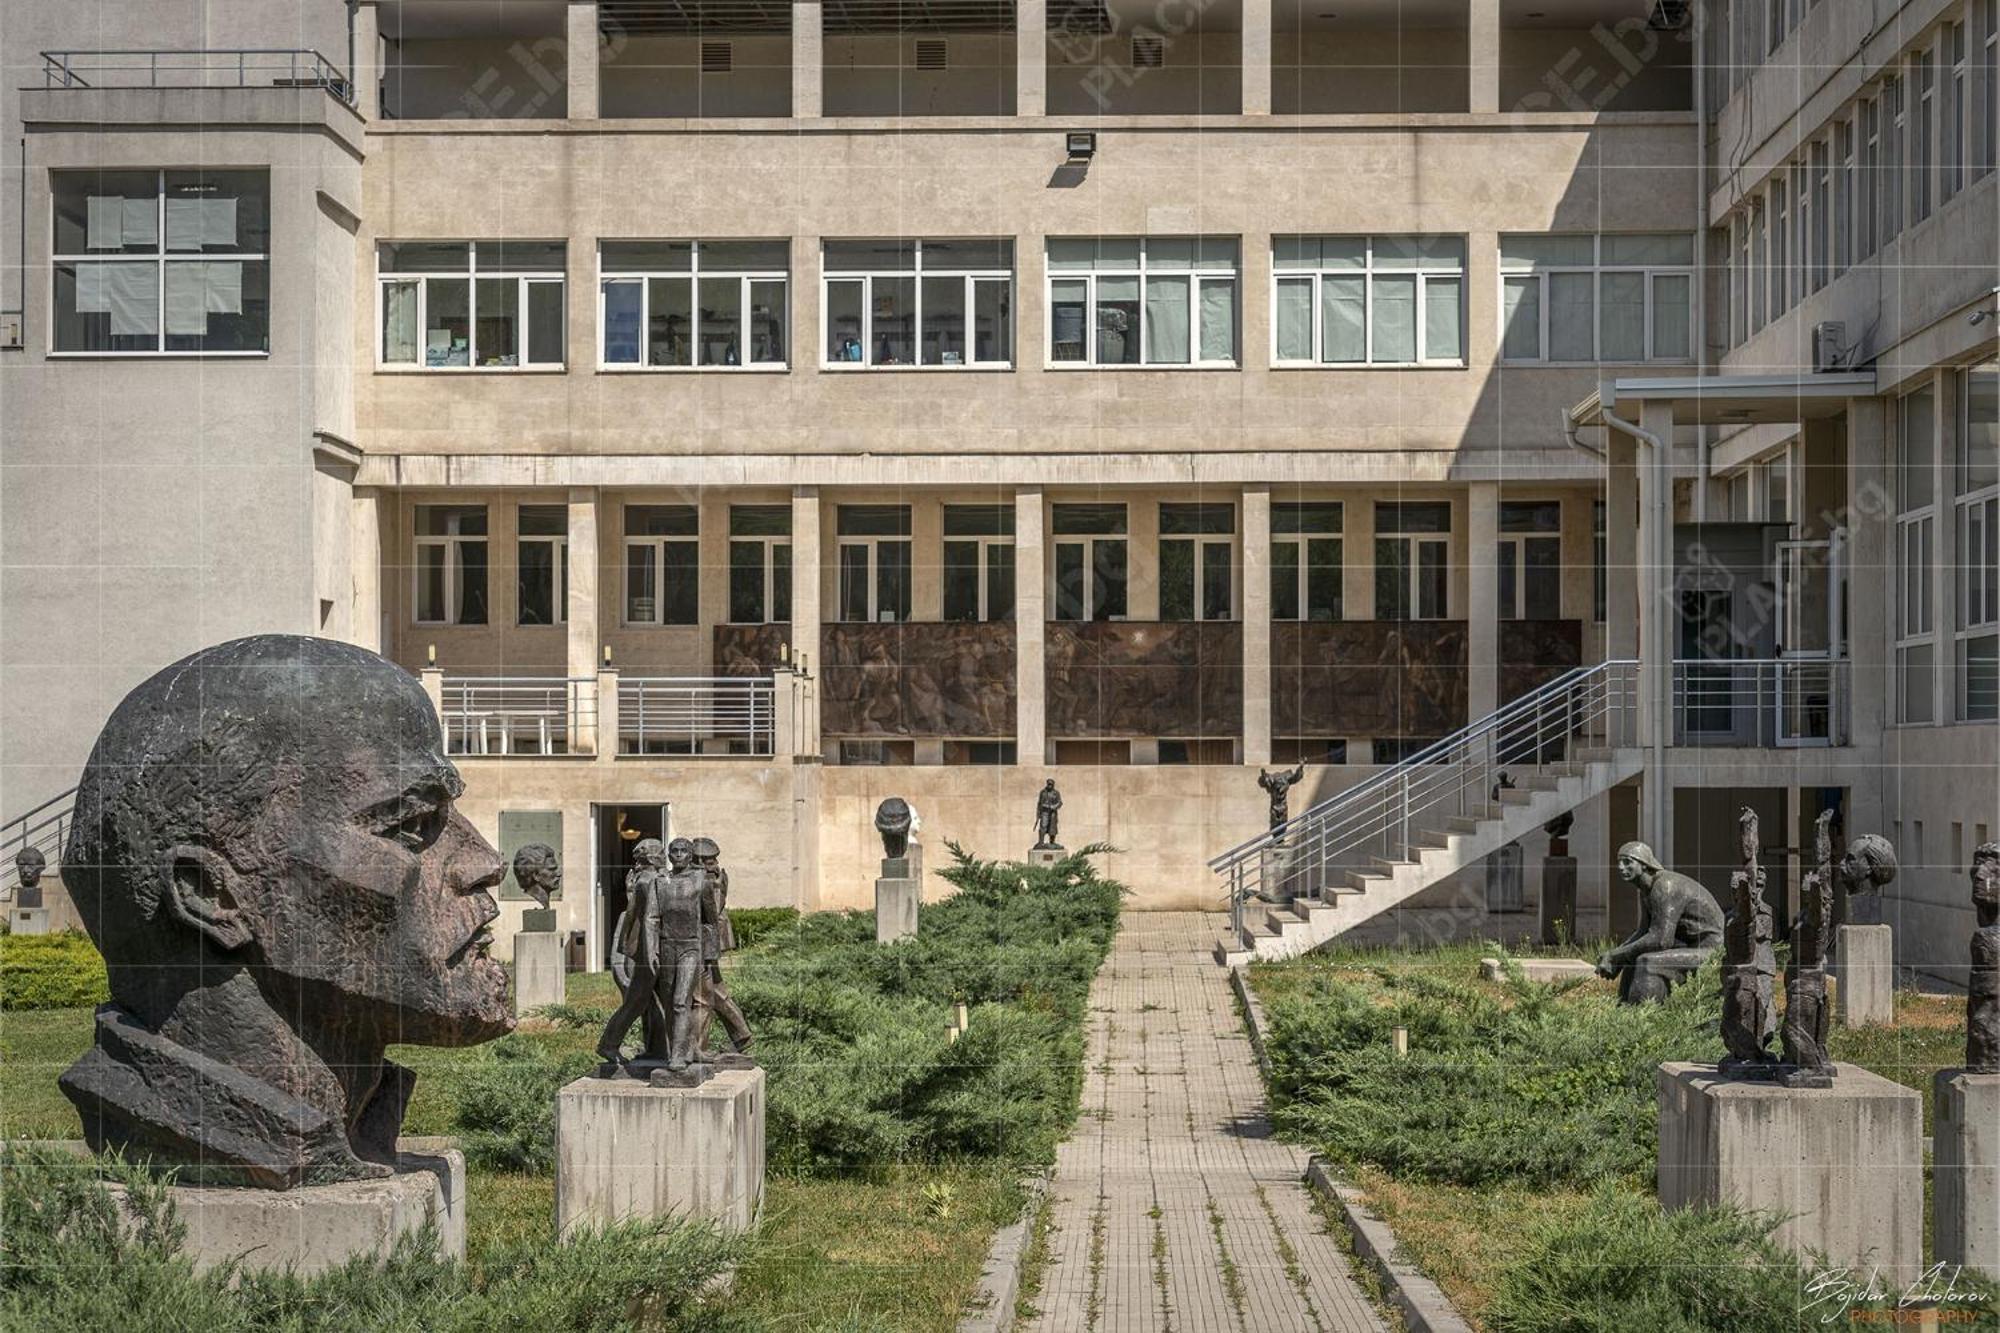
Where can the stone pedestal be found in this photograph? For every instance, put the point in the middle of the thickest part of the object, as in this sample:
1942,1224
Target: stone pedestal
625,1149
896,908
1965,1170
538,970
1044,857
538,920
1843,1165
317,1227
1558,899
1864,973
1504,879
1545,970
29,921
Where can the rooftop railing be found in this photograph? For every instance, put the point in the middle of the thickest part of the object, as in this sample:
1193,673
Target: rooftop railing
1769,703
489,716
246,68
697,716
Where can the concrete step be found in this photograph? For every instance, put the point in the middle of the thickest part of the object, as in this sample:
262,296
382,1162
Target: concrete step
1517,796
1232,952
1463,824
1431,838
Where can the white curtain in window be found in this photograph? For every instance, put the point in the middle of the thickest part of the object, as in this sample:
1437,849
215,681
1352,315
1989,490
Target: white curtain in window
193,224
1395,318
1572,313
1670,316
1443,336
399,322
93,294
1218,319
1521,299
132,294
1295,319
187,300
1166,320
1624,326
1342,309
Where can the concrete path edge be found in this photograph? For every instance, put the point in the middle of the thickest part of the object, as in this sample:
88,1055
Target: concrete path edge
1420,1301
990,1308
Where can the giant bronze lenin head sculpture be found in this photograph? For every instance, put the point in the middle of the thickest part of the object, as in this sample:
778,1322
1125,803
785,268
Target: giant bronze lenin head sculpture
266,852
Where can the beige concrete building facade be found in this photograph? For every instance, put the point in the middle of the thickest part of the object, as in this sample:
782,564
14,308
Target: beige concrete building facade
742,414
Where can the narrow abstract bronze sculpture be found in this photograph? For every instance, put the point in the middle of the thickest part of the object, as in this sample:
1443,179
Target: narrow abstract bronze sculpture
1982,989
1278,786
1869,863
1048,816
1749,973
1680,925
266,852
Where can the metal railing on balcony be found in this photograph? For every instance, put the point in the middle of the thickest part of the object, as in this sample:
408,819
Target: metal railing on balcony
45,828
247,68
487,716
697,716
1768,703
1374,820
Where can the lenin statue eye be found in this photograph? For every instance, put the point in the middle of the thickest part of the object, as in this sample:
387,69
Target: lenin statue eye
419,829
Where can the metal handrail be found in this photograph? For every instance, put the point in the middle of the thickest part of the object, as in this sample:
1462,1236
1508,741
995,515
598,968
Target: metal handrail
1374,820
302,67
680,715
1761,703
522,715
46,834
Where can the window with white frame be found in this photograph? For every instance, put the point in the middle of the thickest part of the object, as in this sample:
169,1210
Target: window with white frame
1090,569
1530,559
1306,560
1154,301
1781,226
1760,264
1977,486
1197,561
1843,197
874,545
541,564
979,562
1895,129
1916,536
662,564
1822,188
1802,220
1986,118
1412,555
1368,300
470,305
930,304
1613,297
1737,260
451,565
760,564
1773,483
1923,151
161,263
712,305
1956,133
1868,206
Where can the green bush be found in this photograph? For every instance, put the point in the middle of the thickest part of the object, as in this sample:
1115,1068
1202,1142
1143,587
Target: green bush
506,1111
854,1037
752,924
67,1262
60,971
1551,1086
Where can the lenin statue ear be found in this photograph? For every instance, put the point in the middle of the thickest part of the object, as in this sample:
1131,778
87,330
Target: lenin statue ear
201,895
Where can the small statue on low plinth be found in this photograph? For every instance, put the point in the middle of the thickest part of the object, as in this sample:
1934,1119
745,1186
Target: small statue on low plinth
712,999
1278,786
1558,831
1870,863
1048,813
659,943
1749,974
538,870
29,867
1982,988
1680,925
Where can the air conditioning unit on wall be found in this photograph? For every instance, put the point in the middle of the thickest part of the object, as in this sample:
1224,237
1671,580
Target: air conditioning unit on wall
1829,346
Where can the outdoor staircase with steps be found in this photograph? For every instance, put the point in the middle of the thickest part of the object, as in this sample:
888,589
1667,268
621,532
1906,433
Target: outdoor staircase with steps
1371,848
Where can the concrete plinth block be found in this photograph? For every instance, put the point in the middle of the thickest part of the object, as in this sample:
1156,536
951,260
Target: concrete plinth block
1965,1170
538,970
1541,969
626,1149
538,920
1044,857
29,921
1864,970
1558,904
1843,1165
317,1227
896,908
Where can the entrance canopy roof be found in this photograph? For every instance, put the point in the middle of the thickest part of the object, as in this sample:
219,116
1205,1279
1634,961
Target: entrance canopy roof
1728,400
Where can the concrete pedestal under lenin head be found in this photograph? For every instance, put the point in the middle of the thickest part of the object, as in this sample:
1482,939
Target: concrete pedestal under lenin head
1843,1166
897,895
29,921
1044,857
1965,1171
626,1149
1558,914
1864,973
538,970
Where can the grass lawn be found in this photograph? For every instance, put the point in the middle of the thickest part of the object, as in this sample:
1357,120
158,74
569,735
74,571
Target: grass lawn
897,1249
1468,1236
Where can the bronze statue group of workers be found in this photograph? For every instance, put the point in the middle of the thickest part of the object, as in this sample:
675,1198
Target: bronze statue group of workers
666,957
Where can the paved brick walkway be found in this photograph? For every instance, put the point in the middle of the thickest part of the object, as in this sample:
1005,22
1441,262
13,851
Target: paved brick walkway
1174,1209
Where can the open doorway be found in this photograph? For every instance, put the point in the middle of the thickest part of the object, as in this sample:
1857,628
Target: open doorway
619,829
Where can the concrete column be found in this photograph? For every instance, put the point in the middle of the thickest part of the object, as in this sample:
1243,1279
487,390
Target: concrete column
808,59
1483,55
367,71
1944,559
365,560
1357,559
433,679
582,35
1031,57
1030,628
1257,624
582,608
1621,547
1870,574
1256,49
603,722
1482,598
806,559
926,559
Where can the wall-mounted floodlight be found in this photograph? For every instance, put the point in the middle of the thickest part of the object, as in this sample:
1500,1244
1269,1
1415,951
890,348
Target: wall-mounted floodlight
1081,145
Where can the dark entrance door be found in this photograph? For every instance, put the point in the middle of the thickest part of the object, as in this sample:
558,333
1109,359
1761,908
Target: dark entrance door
619,830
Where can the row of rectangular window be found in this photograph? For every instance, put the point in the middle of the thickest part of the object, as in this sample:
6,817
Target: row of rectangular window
1196,551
